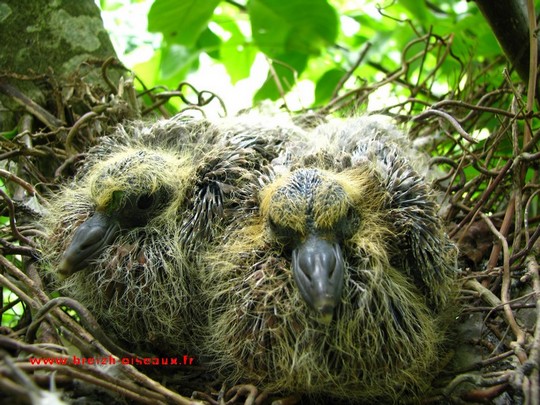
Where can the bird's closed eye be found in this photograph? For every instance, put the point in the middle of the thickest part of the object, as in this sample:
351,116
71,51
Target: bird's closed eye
349,224
138,209
145,201
283,234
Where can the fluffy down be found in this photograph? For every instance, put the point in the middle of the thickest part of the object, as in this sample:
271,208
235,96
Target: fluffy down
124,238
336,276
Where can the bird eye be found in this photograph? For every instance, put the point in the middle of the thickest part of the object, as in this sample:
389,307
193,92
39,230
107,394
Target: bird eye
349,224
145,201
285,235
138,209
272,224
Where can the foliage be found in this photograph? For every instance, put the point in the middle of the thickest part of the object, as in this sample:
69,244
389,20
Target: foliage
320,41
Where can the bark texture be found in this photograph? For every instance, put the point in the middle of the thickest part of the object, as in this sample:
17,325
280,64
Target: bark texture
509,21
45,45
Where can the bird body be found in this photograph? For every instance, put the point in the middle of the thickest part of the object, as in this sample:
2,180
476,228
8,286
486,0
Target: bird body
125,236
335,278
301,259
115,245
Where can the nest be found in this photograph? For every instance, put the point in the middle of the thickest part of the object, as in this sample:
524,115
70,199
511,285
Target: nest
490,195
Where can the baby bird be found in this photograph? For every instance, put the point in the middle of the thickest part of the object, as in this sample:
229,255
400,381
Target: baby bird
124,237
336,276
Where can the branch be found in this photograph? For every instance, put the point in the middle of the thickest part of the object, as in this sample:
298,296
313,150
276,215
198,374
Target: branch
510,24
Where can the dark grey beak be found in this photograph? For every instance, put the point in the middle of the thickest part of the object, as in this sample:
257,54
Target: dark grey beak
89,241
318,271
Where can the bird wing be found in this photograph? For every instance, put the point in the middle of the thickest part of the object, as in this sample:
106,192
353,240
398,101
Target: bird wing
423,250
237,152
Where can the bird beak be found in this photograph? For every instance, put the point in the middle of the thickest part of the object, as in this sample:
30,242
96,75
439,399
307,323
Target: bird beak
89,241
318,271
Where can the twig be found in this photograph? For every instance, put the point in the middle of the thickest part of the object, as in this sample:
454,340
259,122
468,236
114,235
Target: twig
12,221
43,115
349,73
450,119
505,290
483,198
73,131
87,320
533,363
533,67
11,177
104,74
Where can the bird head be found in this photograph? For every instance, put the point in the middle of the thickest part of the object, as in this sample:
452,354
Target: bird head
131,190
313,215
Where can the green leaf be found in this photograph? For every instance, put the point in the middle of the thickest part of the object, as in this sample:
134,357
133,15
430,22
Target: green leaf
237,53
148,71
238,60
110,5
287,69
210,43
301,26
181,22
177,60
9,134
168,66
326,85
418,9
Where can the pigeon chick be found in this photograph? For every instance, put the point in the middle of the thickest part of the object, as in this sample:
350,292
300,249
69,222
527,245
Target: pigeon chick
114,244
336,277
124,237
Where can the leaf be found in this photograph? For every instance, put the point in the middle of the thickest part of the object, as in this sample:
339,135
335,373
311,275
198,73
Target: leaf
148,71
168,66
326,85
237,53
210,43
181,22
286,68
418,9
110,5
177,60
300,26
9,134
238,60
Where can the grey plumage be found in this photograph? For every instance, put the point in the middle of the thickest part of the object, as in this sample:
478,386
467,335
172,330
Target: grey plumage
337,278
125,236
305,260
